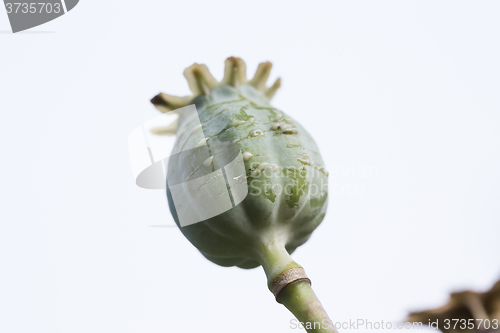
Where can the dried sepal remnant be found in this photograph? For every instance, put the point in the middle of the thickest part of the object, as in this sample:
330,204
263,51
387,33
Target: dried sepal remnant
166,130
261,75
272,90
235,72
166,103
468,306
199,79
201,82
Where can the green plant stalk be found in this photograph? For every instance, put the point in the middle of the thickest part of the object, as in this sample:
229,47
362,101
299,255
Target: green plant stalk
297,297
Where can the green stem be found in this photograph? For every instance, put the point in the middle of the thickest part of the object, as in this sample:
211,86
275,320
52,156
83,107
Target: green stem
301,300
298,297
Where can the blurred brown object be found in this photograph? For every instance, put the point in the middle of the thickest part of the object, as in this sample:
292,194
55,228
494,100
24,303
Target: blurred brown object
468,305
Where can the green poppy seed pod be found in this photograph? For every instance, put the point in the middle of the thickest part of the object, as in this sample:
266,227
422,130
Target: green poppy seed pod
286,180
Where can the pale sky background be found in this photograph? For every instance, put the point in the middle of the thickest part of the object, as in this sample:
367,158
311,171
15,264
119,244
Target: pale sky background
410,88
